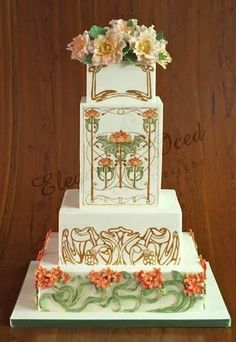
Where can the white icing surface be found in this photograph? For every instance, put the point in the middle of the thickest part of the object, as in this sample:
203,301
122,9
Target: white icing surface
121,77
168,204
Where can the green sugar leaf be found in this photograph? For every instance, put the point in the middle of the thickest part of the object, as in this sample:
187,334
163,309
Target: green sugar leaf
126,49
130,57
160,35
177,276
162,56
88,59
130,23
96,31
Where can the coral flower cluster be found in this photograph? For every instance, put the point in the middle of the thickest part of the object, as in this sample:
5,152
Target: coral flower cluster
194,284
105,162
149,114
150,279
203,264
120,137
105,277
135,161
49,277
122,40
42,251
92,113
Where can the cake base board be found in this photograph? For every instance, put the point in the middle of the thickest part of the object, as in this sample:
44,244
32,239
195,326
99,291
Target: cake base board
25,313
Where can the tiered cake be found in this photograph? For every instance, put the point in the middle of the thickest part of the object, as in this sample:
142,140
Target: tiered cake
120,245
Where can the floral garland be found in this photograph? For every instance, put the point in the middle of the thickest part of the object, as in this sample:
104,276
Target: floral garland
193,283
120,291
49,277
121,41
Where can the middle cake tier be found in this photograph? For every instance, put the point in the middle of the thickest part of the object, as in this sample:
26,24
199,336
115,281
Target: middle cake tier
120,153
120,236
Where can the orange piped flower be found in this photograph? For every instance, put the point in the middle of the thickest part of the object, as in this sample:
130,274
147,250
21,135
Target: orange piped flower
105,162
120,137
92,113
194,284
149,114
48,278
135,161
105,277
42,251
203,263
150,279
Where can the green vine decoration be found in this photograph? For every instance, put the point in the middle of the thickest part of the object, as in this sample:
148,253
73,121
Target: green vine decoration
125,296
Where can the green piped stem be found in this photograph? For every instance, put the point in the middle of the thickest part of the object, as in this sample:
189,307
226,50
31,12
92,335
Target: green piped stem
145,295
68,296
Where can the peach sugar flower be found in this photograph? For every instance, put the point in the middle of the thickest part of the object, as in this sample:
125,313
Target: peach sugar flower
194,284
135,161
105,162
108,49
150,279
48,278
105,277
120,137
80,46
150,114
123,28
92,113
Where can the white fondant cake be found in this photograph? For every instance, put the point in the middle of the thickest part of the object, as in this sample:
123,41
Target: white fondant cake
120,245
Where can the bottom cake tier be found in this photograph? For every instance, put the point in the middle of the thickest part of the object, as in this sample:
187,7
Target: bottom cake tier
120,288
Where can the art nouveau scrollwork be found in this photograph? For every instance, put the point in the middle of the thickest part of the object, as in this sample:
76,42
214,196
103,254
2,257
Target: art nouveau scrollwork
120,246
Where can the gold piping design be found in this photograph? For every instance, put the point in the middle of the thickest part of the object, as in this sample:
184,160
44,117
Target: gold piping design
110,93
120,246
93,152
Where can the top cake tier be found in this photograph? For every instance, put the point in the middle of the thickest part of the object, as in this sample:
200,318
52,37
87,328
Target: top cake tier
121,81
121,61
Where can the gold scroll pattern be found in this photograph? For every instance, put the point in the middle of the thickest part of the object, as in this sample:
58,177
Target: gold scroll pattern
120,246
110,93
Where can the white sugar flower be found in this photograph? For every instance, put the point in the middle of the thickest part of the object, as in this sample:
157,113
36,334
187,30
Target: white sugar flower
146,46
126,28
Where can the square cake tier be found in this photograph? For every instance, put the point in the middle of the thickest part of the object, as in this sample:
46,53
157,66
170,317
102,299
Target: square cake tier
119,288
120,235
121,82
120,153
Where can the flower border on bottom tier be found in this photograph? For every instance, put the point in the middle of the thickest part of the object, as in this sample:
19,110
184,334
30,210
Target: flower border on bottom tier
118,291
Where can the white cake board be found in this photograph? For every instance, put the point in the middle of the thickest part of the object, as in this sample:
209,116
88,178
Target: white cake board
25,313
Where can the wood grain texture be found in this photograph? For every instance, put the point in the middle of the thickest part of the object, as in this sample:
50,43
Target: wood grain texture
40,91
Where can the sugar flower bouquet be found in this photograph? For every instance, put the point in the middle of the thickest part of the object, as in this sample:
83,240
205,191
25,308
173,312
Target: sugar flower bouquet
120,41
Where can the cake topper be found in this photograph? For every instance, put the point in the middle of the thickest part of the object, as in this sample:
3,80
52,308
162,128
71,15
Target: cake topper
120,41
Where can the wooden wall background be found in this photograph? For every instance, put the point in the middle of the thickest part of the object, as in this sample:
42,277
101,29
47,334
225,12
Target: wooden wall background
40,91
